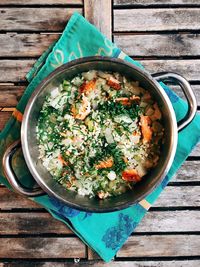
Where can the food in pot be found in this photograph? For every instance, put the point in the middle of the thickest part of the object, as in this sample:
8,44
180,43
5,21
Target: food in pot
99,133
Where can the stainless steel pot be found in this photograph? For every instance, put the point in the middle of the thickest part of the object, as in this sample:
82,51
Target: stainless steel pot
29,142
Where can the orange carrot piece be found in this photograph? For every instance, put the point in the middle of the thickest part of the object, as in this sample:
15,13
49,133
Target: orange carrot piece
87,87
145,122
127,101
65,163
105,164
112,82
131,176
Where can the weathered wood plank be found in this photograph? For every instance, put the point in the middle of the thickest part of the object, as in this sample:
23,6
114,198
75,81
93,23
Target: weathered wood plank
15,70
31,223
171,45
25,45
187,68
12,200
4,117
10,94
155,2
164,19
172,196
44,223
179,197
82,263
92,255
189,172
161,246
196,151
170,221
42,19
39,247
40,2
98,12
32,45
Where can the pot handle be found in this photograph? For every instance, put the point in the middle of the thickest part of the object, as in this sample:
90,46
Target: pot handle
188,92
11,176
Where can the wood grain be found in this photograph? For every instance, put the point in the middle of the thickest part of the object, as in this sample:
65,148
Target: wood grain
165,19
12,200
10,94
44,223
187,68
118,263
182,196
170,221
12,70
170,45
161,246
155,2
15,70
40,2
31,223
42,19
4,117
189,172
42,247
25,45
172,196
196,151
98,12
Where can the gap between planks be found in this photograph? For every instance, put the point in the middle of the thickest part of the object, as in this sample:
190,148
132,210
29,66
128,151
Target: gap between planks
99,263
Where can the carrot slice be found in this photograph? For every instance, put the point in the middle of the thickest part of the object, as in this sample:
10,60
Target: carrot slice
87,87
123,100
112,82
127,101
131,176
134,98
83,111
65,163
145,122
105,164
73,111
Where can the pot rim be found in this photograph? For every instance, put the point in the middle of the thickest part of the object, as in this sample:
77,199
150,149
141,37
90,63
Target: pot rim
24,129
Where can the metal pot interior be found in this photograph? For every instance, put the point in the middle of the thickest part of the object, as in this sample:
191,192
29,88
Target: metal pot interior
30,148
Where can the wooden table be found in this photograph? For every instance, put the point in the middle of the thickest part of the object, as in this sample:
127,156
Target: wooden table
163,35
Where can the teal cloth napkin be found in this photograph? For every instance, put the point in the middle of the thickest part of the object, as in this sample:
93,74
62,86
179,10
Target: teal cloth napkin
104,233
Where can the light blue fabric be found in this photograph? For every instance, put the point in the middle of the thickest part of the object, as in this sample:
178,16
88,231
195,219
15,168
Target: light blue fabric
104,233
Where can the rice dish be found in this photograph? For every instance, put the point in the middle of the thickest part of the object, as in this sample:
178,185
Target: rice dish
99,133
